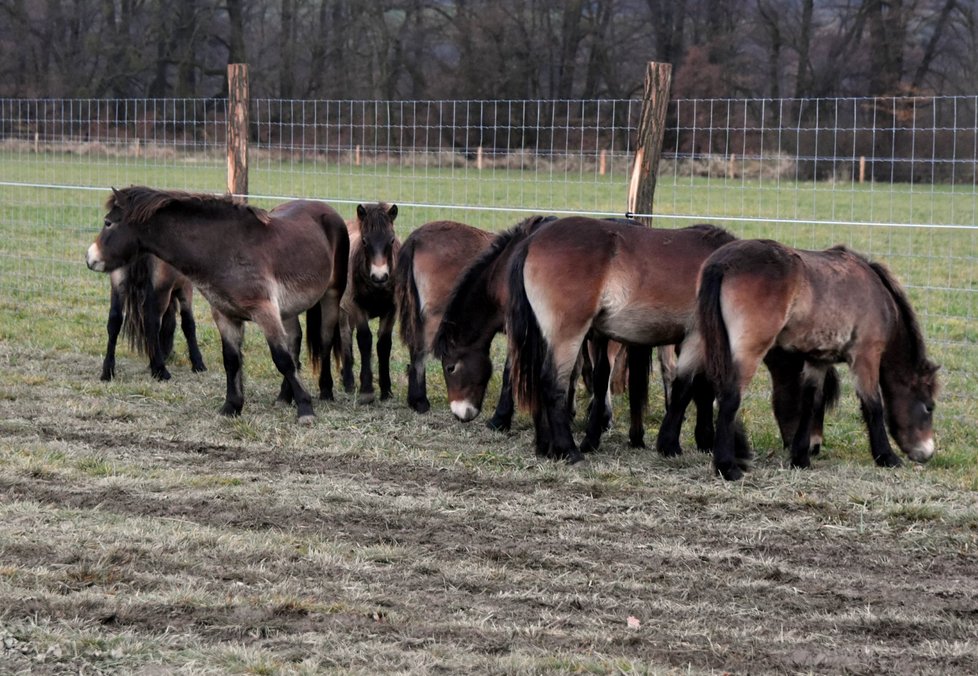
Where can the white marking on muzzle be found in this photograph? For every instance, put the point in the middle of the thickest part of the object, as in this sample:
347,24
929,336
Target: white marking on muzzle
464,410
379,273
94,258
923,451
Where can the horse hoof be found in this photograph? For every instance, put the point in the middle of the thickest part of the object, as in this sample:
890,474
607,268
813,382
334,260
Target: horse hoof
636,440
230,411
384,396
106,376
162,375
365,398
587,446
198,368
498,424
888,461
669,450
801,463
730,473
574,458
420,406
326,396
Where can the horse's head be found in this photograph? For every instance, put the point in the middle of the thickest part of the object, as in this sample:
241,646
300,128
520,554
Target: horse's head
118,242
910,409
376,226
467,369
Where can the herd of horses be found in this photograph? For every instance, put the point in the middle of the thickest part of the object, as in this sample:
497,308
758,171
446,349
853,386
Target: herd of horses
571,294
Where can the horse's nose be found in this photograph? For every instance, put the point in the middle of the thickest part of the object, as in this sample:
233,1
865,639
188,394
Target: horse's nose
94,259
923,452
379,273
464,410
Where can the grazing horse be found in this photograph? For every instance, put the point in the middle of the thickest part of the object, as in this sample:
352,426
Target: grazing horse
577,276
474,314
250,264
428,266
145,298
370,293
830,307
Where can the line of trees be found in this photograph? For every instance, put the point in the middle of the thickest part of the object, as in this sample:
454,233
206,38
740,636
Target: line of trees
475,49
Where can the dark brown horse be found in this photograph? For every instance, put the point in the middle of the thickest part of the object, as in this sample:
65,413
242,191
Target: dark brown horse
428,266
370,294
251,265
145,298
830,306
474,315
580,276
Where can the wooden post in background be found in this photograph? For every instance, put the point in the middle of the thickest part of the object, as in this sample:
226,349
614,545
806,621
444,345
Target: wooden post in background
237,126
651,129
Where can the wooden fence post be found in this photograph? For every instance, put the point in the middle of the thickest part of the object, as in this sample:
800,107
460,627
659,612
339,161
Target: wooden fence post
237,126
651,129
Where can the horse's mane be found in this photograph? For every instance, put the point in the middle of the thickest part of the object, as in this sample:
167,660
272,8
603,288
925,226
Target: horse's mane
918,351
470,276
140,203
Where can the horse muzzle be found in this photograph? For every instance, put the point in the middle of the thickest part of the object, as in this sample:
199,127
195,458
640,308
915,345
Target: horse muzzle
464,410
379,274
923,451
94,258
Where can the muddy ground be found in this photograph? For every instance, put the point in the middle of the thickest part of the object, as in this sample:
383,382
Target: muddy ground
140,532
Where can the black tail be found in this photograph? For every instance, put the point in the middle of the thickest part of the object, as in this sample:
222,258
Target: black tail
527,347
407,298
314,343
830,389
137,290
716,340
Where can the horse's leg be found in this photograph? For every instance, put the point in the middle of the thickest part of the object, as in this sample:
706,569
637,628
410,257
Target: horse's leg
417,387
681,393
280,345
703,397
347,323
810,381
293,332
189,327
385,332
555,381
724,456
365,343
113,326
331,323
168,329
600,375
639,364
232,334
667,369
152,322
502,419
865,368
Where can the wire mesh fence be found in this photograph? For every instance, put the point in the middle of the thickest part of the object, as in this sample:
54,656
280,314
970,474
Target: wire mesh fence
892,178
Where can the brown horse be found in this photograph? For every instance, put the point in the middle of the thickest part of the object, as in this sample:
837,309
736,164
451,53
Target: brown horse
251,265
370,293
830,306
476,312
145,297
577,276
428,266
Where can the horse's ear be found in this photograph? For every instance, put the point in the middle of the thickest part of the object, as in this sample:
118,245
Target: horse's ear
392,212
361,212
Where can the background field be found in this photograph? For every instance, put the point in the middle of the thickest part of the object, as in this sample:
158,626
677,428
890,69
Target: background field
141,532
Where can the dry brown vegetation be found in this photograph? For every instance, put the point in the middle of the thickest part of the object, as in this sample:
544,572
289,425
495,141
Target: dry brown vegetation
140,532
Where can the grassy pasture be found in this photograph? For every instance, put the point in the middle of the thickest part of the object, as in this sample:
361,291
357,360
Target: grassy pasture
140,532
